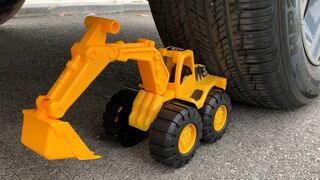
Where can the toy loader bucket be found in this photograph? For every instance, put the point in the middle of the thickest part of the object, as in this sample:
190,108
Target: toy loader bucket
53,139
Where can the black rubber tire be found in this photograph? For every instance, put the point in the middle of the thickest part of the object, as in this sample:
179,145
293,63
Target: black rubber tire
8,8
165,132
256,44
116,120
214,100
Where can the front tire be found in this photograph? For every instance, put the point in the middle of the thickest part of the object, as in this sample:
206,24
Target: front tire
256,44
175,134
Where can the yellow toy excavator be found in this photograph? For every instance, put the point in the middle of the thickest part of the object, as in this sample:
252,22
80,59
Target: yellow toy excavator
178,102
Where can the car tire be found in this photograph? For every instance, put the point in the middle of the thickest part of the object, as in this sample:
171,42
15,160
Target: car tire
8,8
257,45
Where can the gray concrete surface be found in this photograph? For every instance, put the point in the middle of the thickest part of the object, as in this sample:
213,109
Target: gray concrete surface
260,143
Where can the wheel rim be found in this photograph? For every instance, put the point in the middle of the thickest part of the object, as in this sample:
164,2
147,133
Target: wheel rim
310,13
220,118
187,138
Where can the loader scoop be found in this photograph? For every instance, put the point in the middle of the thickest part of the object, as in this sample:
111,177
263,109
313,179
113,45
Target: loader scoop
52,138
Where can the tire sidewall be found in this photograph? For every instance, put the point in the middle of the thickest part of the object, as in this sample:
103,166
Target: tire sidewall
9,8
302,76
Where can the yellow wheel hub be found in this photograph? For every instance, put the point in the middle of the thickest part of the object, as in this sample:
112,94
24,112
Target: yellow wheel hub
187,138
220,118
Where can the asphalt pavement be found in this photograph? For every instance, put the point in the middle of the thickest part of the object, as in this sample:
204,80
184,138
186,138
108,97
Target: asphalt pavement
260,143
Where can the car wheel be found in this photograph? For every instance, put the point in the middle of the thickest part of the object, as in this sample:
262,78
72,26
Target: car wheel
268,49
8,8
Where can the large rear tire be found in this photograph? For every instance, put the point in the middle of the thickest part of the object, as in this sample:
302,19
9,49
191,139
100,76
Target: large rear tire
116,119
8,8
256,44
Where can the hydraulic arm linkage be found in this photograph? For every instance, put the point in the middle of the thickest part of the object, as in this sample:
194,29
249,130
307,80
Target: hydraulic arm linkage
52,138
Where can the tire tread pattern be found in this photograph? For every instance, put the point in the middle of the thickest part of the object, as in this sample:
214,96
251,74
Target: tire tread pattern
237,39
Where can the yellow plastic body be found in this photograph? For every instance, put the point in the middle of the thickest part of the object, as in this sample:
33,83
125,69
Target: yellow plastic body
46,134
147,105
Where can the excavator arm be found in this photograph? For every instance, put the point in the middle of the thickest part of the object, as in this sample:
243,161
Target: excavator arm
52,138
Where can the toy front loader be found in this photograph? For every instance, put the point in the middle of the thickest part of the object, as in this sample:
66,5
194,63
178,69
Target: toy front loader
169,91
